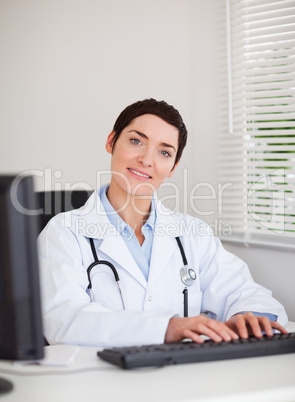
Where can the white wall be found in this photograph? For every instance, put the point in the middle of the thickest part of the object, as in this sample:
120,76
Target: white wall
272,268
68,68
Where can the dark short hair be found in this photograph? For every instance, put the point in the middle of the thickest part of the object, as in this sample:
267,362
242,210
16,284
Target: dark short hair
158,108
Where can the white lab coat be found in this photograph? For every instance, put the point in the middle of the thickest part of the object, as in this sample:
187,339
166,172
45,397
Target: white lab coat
222,288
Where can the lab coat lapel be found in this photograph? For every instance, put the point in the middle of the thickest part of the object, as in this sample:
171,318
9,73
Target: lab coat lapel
91,221
164,244
163,249
115,248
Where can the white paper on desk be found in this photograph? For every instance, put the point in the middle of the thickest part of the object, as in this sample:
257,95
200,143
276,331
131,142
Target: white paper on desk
56,355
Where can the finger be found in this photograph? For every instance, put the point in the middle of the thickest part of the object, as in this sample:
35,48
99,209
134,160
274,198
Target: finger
241,326
229,335
233,334
205,330
193,336
279,327
226,333
254,324
266,325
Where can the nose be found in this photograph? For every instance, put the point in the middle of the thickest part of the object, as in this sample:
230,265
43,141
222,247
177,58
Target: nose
146,158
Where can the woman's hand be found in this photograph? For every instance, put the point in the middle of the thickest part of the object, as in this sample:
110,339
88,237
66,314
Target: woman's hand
194,327
248,324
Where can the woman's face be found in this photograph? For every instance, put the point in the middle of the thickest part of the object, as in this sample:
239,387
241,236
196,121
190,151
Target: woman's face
143,155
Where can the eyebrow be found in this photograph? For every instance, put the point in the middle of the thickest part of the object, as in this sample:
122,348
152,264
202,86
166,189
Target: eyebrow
164,144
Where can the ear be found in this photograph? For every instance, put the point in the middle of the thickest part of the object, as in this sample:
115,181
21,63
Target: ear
109,143
172,171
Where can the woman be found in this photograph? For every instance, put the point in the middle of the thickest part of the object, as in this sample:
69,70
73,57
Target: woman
126,225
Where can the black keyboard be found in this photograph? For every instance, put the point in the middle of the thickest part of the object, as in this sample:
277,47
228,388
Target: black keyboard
189,352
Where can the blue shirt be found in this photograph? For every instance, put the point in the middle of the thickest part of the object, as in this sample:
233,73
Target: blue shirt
141,254
271,317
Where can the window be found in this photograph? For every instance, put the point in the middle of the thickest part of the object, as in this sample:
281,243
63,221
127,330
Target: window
257,119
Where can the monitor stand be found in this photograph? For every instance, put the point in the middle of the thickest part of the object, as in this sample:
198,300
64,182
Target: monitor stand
5,386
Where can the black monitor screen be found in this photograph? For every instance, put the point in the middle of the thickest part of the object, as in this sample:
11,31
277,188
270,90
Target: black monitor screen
20,309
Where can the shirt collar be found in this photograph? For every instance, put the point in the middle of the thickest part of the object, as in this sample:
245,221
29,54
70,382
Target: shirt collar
116,220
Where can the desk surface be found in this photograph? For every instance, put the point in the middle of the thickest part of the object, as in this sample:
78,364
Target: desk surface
270,378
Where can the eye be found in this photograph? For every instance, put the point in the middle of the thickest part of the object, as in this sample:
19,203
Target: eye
135,141
166,154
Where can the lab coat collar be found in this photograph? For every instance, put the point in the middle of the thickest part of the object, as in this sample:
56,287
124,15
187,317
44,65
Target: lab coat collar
92,221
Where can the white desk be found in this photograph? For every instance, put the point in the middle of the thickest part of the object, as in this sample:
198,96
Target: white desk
267,379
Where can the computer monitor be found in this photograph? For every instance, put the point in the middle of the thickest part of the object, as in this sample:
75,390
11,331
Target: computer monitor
21,336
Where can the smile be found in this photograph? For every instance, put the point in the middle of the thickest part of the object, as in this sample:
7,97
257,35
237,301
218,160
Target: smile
139,174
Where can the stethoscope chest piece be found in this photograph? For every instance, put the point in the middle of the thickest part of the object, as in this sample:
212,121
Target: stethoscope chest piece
187,275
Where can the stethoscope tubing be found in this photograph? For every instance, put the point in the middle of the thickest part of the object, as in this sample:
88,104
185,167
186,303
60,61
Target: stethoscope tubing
185,273
102,262
181,251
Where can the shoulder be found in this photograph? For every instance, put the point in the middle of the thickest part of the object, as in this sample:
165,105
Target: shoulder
57,234
86,221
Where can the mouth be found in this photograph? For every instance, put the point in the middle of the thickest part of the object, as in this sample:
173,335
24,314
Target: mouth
139,174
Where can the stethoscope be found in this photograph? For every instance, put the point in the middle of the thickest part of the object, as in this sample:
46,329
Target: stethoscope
187,275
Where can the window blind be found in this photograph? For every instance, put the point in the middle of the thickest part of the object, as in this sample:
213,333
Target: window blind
257,119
